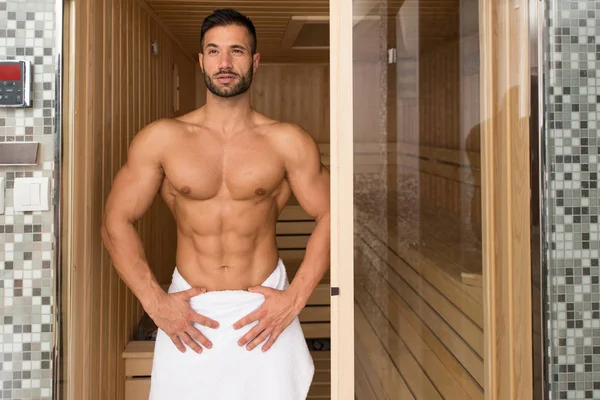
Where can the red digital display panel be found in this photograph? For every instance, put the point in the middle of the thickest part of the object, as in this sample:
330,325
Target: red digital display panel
10,72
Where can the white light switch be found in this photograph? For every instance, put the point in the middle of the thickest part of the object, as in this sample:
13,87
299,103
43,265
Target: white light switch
34,194
1,195
31,194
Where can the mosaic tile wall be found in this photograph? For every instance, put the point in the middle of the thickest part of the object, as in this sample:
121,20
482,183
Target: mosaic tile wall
28,32
573,95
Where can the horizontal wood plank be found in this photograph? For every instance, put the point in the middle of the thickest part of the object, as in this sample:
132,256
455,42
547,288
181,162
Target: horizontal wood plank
138,366
295,227
316,330
137,389
139,349
294,213
292,241
315,314
321,296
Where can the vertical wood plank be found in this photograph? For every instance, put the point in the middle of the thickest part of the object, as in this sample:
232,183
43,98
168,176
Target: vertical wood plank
106,149
97,199
81,245
342,222
119,117
505,192
136,111
114,158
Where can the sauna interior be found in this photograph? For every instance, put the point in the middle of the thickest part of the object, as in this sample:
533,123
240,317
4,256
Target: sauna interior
417,243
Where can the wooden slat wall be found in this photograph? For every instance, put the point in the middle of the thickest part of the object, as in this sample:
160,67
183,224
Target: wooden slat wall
119,88
200,88
294,93
439,97
442,112
432,102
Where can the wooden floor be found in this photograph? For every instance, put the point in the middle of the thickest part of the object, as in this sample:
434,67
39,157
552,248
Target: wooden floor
418,325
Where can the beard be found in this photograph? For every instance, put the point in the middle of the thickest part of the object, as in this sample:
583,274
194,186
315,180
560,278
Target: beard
242,85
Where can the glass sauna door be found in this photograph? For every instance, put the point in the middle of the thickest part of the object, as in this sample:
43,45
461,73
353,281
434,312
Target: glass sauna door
417,233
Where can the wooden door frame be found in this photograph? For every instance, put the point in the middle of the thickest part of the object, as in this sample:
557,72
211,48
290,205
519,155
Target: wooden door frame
66,336
342,218
505,112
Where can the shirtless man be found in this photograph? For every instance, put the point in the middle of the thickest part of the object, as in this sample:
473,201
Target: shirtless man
225,171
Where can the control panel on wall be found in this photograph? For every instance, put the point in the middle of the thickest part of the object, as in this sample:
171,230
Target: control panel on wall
15,83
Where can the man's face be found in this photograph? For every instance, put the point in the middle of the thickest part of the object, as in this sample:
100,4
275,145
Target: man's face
227,63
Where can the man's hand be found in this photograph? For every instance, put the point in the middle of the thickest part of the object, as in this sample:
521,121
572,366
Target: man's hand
274,315
175,316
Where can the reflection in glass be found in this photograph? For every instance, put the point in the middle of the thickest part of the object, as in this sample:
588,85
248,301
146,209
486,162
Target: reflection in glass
417,200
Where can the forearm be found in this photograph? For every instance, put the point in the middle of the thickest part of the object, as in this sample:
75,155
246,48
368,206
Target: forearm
315,264
127,254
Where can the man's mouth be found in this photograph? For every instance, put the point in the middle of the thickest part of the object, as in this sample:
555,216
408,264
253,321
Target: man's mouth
225,78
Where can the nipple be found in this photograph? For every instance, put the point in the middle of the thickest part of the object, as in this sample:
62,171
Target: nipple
260,191
185,190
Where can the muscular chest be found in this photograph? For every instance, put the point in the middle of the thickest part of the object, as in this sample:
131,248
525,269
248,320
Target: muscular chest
238,171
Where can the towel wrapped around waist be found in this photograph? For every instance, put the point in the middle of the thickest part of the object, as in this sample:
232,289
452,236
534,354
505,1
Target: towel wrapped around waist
228,371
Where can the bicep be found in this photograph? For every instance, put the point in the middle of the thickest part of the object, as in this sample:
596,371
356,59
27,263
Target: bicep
309,179
137,182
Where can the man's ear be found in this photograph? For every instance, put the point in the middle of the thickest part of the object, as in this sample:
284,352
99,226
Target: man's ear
255,61
201,61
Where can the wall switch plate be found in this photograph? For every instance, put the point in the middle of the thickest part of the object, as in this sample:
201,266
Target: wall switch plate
31,194
2,191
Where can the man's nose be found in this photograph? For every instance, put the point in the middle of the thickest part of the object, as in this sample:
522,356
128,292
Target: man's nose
225,61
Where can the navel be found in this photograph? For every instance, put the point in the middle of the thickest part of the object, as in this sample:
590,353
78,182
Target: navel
224,267
186,190
260,191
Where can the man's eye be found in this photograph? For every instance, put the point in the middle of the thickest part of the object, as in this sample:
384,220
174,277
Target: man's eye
237,51
212,51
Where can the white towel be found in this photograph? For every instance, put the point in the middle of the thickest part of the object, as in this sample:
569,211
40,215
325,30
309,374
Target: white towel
228,371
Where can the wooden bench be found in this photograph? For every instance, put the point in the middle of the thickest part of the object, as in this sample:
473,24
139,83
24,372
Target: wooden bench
293,228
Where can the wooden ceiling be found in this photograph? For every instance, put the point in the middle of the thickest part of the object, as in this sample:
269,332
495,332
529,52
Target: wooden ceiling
278,29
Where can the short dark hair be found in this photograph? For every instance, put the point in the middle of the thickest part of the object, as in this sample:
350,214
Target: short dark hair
227,17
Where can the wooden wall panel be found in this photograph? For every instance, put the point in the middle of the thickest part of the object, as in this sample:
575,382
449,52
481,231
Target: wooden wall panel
442,112
439,97
200,88
119,88
449,99
369,122
294,93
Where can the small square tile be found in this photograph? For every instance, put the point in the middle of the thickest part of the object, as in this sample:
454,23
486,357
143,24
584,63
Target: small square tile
572,177
27,31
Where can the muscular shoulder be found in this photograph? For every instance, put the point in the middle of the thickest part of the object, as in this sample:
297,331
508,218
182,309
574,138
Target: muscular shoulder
291,139
293,144
152,140
160,130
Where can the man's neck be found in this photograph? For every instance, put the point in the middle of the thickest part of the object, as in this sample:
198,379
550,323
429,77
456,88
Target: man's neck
227,114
